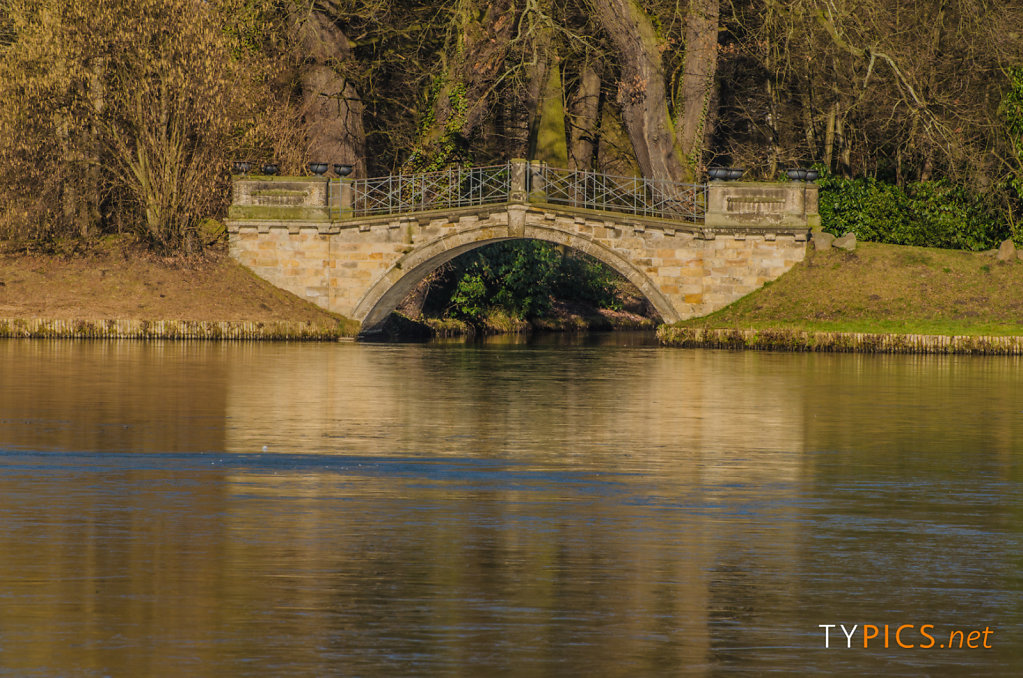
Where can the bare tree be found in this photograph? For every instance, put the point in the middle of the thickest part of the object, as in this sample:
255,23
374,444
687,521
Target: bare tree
668,140
331,107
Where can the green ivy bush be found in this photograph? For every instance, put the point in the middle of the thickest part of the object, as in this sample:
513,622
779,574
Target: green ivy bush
469,299
524,277
585,279
927,214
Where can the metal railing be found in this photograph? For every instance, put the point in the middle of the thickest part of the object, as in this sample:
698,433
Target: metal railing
445,189
628,195
474,186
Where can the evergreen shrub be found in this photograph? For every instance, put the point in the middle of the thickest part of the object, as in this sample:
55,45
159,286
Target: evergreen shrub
925,214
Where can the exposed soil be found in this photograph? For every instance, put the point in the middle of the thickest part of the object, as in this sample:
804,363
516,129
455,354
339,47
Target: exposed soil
122,282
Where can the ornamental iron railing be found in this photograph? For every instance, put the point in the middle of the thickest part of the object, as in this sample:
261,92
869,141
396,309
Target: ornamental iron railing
628,195
475,186
445,189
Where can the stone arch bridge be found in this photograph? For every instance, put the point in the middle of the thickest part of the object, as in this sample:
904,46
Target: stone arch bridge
358,246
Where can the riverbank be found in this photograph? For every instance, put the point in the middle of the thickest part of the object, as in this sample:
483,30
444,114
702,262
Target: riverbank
562,318
120,291
837,342
878,298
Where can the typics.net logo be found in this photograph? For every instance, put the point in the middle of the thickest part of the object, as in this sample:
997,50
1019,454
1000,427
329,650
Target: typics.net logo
905,636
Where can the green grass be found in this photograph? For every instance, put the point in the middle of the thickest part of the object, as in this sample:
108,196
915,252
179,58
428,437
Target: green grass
887,289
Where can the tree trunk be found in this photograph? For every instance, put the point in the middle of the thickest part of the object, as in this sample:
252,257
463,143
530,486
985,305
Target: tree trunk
331,107
520,110
551,143
772,129
845,150
829,137
642,94
467,83
584,109
809,126
90,211
698,70
412,305
538,75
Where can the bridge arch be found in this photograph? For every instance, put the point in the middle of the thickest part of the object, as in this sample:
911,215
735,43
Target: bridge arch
390,289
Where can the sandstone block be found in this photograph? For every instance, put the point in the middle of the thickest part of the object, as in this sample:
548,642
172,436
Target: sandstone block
1006,251
822,240
846,242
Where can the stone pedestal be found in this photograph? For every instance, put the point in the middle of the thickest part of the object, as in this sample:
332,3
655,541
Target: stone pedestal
296,199
742,204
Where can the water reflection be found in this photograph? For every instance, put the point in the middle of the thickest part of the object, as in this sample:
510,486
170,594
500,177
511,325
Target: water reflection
515,508
113,395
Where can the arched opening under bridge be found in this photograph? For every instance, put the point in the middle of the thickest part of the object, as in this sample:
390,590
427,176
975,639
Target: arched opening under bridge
410,270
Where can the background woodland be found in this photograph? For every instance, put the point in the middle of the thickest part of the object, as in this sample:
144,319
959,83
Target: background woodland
124,116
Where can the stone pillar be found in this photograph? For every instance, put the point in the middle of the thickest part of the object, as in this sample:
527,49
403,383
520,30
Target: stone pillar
519,184
347,198
537,182
342,198
811,196
739,204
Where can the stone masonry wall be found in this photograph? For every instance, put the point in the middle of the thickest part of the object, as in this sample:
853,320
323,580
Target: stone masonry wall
362,268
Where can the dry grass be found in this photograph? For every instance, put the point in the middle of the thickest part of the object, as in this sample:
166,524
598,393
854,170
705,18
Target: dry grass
886,289
124,283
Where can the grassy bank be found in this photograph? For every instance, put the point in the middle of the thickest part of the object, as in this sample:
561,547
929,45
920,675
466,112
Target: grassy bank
874,291
120,291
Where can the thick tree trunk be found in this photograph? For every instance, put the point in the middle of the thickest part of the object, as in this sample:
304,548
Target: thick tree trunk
537,76
697,84
583,118
463,99
331,107
641,92
551,142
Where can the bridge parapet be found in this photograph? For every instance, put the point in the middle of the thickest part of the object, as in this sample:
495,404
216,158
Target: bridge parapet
718,205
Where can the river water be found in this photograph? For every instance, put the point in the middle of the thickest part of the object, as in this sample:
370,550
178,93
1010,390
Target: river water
599,507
